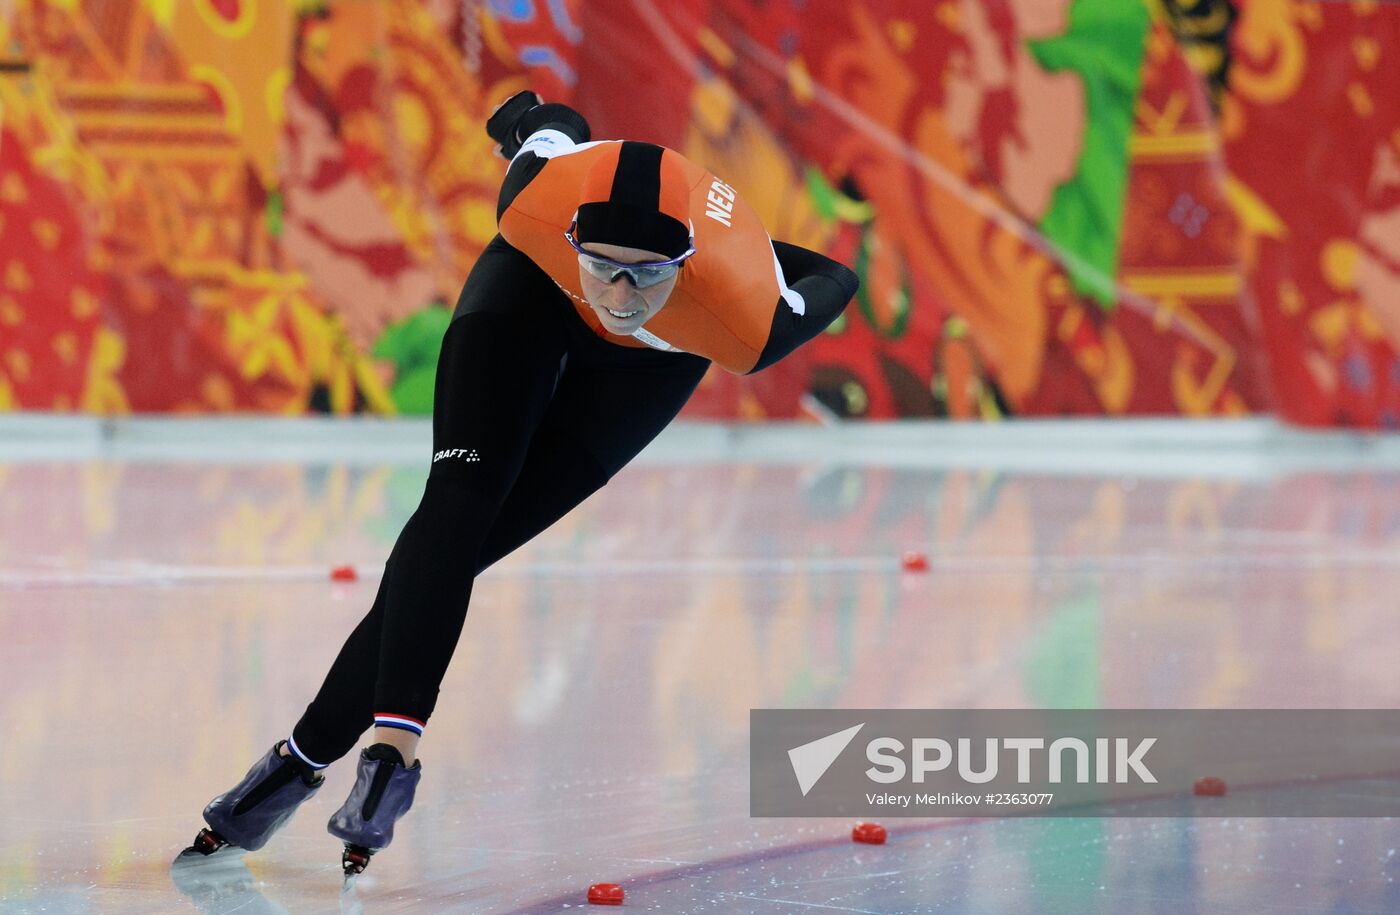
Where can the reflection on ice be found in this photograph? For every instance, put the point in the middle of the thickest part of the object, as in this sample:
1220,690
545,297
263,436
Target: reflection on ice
162,624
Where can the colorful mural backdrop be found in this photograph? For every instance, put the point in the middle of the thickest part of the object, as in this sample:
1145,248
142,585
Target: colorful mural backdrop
1056,206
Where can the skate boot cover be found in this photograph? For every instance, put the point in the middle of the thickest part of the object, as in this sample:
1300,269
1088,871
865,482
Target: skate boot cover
383,792
249,813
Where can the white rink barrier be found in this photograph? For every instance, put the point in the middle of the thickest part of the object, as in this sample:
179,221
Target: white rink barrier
1130,447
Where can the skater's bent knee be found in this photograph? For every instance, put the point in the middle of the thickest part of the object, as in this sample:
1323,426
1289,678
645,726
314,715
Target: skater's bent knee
455,509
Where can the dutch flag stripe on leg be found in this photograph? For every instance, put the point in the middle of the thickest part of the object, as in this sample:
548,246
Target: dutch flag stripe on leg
383,720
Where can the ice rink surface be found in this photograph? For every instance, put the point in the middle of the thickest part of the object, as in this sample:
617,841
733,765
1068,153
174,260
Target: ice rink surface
166,613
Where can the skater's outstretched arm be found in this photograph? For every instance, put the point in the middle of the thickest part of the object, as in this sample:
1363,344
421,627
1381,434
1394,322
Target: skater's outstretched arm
825,288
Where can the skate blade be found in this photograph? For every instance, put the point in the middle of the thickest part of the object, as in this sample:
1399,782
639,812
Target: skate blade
350,903
192,857
202,877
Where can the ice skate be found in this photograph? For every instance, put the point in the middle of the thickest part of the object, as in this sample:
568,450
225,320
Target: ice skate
246,816
383,792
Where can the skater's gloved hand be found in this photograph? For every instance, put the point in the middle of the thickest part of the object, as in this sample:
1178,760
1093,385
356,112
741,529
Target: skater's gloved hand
502,123
522,114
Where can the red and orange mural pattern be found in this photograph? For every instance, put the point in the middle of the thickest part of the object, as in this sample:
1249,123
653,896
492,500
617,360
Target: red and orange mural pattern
1056,207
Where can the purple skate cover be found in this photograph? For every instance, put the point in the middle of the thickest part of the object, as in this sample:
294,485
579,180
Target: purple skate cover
249,813
382,794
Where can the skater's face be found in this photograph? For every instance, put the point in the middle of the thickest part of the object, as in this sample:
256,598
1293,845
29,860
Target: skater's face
620,306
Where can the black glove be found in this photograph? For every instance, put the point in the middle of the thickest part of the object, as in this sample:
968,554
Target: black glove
524,113
501,125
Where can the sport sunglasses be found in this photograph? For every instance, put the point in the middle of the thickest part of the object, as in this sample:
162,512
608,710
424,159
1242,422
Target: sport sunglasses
642,275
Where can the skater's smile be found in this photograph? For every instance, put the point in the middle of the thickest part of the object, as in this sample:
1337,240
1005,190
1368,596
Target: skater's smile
621,305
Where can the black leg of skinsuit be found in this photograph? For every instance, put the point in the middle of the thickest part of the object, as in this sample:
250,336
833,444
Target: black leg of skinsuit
546,441
498,378
585,439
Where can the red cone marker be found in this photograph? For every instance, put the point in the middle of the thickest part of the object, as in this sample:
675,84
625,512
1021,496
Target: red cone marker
605,894
914,561
1210,786
869,833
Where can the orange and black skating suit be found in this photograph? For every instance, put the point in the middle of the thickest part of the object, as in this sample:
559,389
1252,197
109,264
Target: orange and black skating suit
536,407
